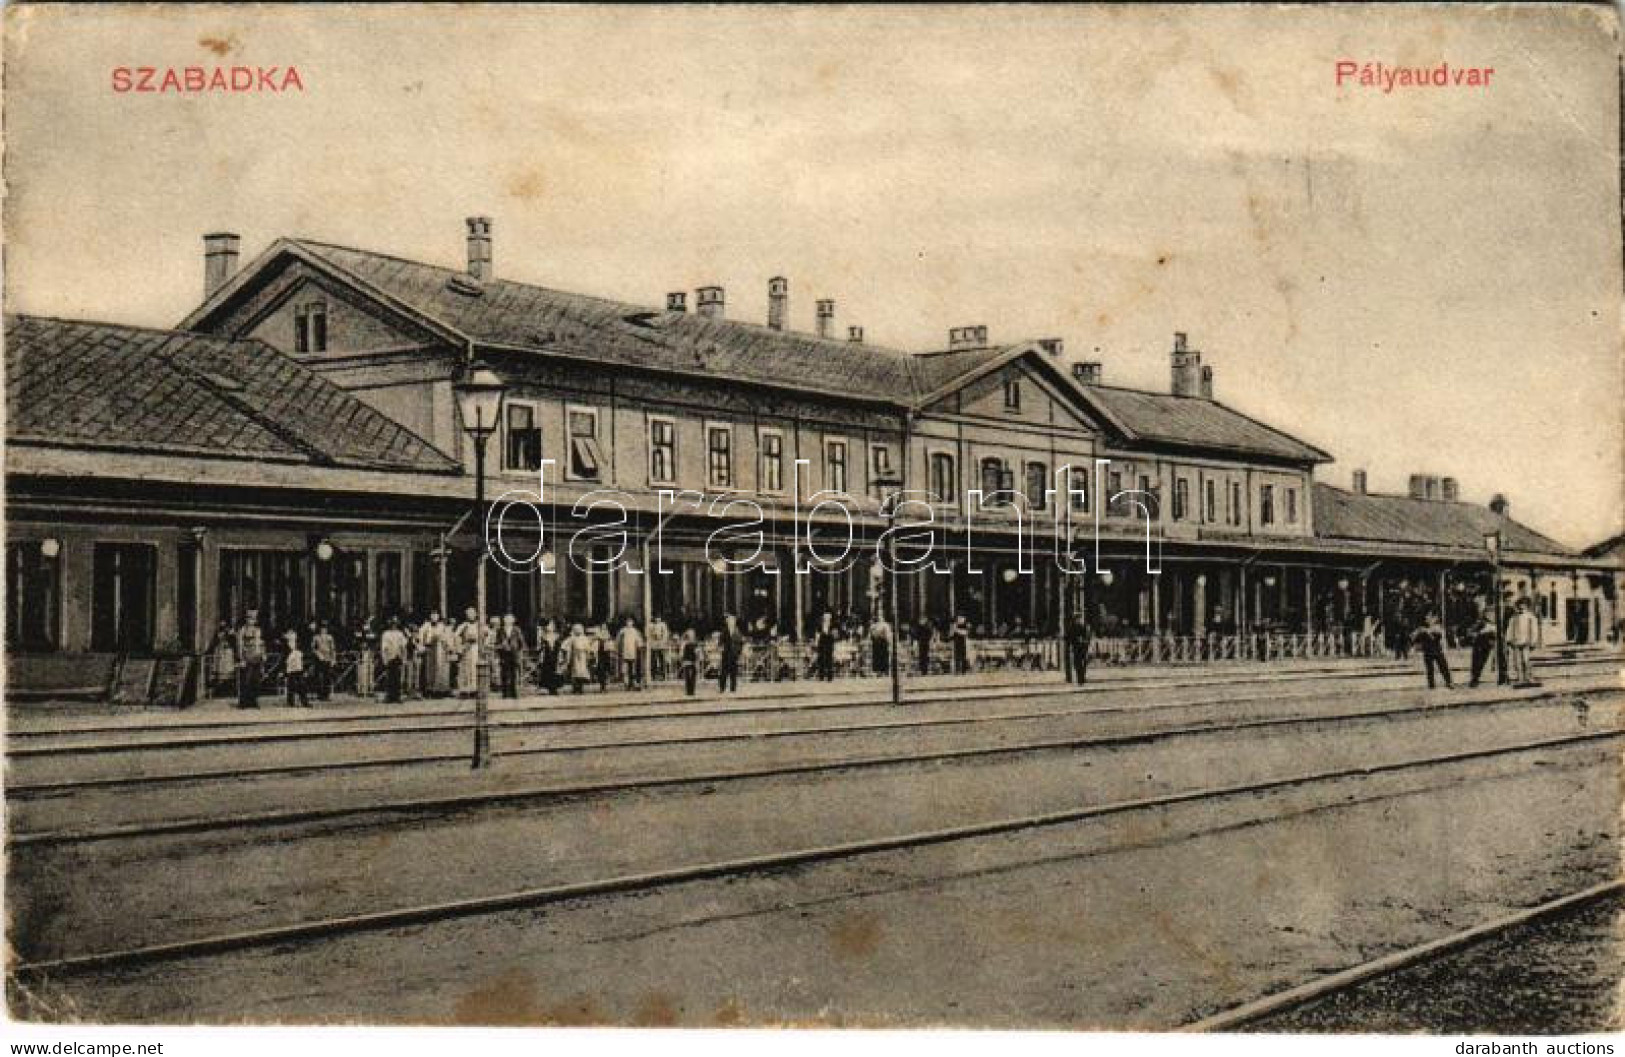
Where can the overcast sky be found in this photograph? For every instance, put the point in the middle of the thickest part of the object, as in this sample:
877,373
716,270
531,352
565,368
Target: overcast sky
1423,280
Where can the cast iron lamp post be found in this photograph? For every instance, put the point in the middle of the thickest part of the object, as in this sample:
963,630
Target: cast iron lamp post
890,484
1492,543
479,395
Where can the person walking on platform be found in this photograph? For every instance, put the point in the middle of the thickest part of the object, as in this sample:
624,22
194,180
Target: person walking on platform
629,645
961,640
250,660
579,651
923,634
1429,641
824,648
730,645
880,646
1077,644
1483,639
548,649
1523,635
510,647
689,662
293,671
392,651
324,651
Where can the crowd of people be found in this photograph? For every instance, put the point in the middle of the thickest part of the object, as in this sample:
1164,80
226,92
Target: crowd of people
1429,638
436,657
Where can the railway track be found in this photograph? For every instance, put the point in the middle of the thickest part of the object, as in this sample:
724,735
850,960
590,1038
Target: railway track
440,804
1252,1013
25,789
316,930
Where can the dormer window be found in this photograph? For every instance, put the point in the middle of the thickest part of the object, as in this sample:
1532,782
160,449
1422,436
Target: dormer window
1012,394
310,327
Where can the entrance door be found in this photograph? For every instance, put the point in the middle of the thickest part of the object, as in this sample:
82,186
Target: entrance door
1579,619
123,597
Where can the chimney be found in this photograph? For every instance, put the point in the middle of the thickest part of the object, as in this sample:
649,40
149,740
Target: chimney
778,301
1053,346
1207,383
677,301
1418,486
1187,368
219,260
1449,491
826,319
1500,505
708,302
479,248
1087,372
854,335
1359,482
967,338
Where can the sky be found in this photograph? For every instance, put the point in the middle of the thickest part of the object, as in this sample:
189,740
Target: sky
1422,280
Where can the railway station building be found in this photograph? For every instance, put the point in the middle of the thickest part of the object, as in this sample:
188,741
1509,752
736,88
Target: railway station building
293,445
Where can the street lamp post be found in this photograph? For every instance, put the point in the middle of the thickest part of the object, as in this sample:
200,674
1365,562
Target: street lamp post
890,483
479,402
1492,543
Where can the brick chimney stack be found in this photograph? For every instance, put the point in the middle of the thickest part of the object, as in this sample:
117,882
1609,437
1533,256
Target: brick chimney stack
480,265
967,338
677,301
778,302
826,319
1187,368
1501,505
854,335
219,260
708,302
1449,490
1359,482
1087,372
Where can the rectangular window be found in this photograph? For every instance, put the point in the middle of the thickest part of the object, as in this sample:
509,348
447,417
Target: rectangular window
1210,501
719,456
1078,488
1037,485
124,581
586,459
1266,504
1291,506
1149,498
662,451
522,444
1235,503
1182,498
835,465
944,481
32,596
1012,394
310,327
771,473
879,465
1114,485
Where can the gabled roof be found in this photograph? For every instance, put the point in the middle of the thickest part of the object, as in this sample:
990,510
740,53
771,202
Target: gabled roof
504,314
1612,547
1341,514
84,384
1193,422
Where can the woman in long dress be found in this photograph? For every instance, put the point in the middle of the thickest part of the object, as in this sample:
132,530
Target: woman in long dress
548,647
581,650
469,634
433,640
